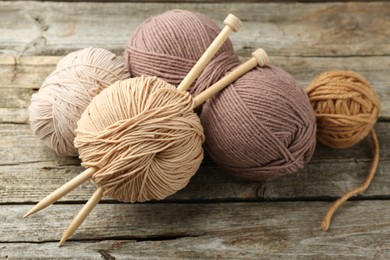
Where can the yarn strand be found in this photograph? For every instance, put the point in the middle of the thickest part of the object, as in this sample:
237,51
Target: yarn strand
328,216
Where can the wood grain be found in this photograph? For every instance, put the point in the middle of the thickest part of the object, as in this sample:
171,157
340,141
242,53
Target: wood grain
28,183
252,245
289,29
24,75
216,216
289,230
25,163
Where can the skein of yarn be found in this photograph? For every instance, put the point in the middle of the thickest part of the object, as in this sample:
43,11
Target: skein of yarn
260,127
67,91
143,136
346,108
168,46
141,139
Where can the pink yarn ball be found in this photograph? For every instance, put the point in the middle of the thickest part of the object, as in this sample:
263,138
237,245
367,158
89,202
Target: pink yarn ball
169,45
260,127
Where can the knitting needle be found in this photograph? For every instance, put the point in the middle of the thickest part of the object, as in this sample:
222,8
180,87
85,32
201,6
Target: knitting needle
259,58
62,191
232,24
82,215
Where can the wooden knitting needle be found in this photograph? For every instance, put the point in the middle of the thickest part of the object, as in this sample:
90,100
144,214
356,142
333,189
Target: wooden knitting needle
62,191
83,214
259,58
232,24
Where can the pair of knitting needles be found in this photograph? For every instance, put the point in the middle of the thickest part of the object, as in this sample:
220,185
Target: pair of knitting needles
259,58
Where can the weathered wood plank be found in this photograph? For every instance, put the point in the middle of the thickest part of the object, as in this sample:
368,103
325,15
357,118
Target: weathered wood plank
18,145
13,115
18,140
292,29
251,245
30,71
286,229
29,171
29,183
22,76
26,71
303,38
15,97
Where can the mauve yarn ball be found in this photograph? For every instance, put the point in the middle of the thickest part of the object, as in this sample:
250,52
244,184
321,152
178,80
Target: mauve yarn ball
169,45
67,91
260,127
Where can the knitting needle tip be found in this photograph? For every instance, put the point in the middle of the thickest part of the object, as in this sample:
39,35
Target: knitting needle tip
63,239
62,191
31,211
83,214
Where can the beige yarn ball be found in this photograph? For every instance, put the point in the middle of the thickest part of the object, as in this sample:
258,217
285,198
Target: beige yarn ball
67,91
143,137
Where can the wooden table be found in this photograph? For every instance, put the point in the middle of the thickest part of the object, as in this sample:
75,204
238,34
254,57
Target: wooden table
217,215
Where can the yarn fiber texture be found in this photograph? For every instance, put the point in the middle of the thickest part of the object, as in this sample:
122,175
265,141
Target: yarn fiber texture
346,107
67,91
143,136
260,127
169,45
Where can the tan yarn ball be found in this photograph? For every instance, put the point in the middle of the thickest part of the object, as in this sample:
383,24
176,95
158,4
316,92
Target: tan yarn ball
143,137
67,91
346,107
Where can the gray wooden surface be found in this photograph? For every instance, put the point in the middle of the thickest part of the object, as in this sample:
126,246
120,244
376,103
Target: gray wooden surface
216,216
